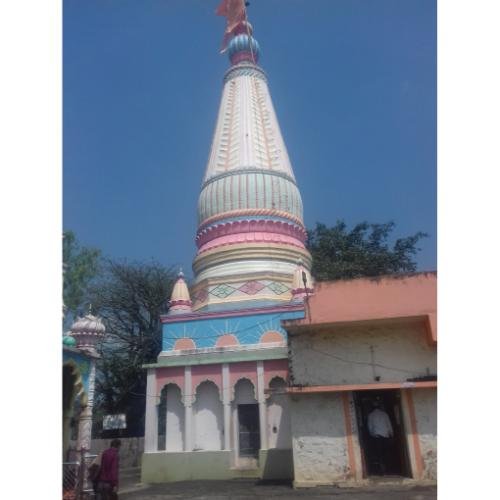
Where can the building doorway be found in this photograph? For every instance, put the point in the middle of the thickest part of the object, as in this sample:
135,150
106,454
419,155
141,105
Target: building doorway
381,433
249,433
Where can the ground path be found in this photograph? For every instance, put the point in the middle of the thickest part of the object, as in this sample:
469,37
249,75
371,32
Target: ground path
247,489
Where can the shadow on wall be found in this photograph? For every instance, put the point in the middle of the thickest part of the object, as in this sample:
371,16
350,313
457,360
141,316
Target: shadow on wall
208,417
277,461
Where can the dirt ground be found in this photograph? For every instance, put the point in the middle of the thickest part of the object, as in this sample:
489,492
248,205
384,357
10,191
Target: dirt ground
245,489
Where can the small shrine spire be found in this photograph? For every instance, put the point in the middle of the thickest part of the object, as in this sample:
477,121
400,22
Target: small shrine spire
180,300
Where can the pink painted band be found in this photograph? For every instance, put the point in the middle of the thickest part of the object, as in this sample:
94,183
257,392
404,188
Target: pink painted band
250,226
234,239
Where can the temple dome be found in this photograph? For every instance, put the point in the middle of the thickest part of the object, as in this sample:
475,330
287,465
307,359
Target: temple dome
244,45
87,331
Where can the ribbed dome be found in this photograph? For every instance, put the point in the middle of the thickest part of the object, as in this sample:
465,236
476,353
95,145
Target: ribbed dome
87,331
250,189
243,44
89,325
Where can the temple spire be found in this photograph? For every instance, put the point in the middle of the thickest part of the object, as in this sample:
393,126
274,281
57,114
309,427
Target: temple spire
250,222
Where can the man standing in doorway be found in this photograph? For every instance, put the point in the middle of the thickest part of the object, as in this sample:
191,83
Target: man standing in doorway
107,486
380,429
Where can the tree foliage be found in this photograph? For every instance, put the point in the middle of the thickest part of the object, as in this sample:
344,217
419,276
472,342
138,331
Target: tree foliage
80,266
129,297
340,253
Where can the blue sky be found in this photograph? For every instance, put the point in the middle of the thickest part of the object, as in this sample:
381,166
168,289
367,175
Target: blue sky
354,87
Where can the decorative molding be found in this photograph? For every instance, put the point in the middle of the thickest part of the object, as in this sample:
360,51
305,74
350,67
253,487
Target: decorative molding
248,212
277,377
165,386
228,314
250,226
179,341
270,334
244,70
233,388
217,355
206,379
248,170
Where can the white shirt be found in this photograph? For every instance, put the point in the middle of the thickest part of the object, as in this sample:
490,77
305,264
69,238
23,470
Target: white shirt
379,424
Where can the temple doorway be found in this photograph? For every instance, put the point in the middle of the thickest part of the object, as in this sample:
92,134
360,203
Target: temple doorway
381,433
249,433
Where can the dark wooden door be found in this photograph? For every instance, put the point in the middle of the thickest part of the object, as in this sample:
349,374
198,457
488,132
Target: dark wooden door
249,434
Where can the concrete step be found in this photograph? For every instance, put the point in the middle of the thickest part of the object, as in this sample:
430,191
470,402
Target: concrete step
244,472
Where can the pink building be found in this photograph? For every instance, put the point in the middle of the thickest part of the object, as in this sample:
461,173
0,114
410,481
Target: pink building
363,382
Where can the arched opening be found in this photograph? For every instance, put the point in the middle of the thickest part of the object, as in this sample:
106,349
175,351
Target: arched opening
171,419
278,416
208,417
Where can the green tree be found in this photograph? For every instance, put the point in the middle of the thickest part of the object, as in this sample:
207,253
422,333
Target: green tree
129,297
340,253
80,266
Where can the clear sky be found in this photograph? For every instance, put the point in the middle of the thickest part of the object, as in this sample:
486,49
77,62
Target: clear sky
354,87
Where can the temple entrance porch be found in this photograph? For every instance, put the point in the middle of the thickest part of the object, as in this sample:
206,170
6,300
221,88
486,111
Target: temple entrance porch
216,422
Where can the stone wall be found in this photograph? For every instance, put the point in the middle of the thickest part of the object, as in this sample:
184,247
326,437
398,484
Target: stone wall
131,450
319,440
359,354
425,402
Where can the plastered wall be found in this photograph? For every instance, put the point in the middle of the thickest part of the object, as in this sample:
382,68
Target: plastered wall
359,354
425,403
319,442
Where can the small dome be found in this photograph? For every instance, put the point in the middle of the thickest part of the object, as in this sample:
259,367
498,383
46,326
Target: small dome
69,341
241,48
88,324
87,331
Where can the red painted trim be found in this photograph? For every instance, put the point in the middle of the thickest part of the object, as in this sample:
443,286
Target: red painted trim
414,431
230,314
361,387
348,433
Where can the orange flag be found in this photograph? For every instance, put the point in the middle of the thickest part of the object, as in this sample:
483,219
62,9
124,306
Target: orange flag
234,11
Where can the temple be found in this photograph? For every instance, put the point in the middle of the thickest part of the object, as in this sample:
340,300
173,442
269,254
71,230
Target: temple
214,409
